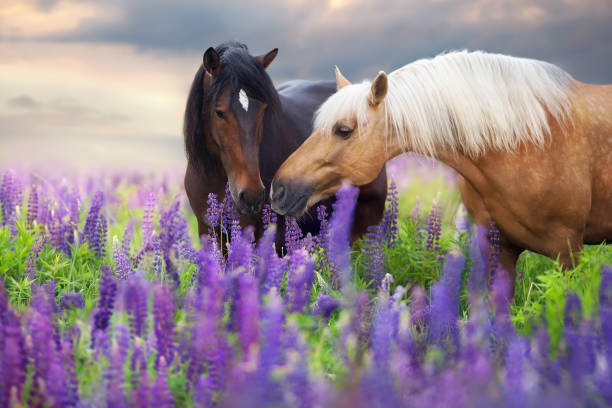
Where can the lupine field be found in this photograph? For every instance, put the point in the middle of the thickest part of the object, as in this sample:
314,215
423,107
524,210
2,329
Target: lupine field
108,298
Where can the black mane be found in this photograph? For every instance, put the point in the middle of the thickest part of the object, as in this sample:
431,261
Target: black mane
238,70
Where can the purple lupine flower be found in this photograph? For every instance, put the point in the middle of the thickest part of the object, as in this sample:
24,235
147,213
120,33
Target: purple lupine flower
163,312
299,280
389,223
30,269
270,354
56,382
115,392
93,219
297,378
141,393
122,336
229,215
72,300
157,254
241,252
326,305
293,234
380,384
126,241
10,196
248,312
264,256
605,311
202,397
14,358
147,220
494,249
434,226
72,385
323,236
418,306
462,221
73,203
99,246
444,310
213,213
136,305
268,216
203,343
341,222
32,206
173,233
122,261
579,357
161,393
373,251
478,276
515,373
106,302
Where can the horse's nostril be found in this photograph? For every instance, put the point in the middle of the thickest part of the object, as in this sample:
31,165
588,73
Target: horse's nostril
279,192
241,197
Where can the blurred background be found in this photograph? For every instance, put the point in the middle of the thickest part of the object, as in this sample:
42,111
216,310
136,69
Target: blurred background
87,84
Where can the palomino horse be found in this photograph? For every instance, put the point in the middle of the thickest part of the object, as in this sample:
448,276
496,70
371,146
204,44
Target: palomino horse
239,128
532,146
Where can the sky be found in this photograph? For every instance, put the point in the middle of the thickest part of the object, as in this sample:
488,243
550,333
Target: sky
89,84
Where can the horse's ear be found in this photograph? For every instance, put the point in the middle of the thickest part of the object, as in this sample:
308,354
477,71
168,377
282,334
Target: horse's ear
341,81
378,91
212,61
266,59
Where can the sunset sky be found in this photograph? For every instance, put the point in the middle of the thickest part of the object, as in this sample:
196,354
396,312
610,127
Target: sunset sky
91,83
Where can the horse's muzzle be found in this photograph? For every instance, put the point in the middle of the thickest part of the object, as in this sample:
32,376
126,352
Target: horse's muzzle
289,198
250,202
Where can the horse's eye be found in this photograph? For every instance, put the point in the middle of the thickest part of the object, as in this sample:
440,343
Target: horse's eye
219,114
344,132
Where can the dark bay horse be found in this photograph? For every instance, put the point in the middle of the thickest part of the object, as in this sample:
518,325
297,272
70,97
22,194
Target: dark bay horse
239,128
532,146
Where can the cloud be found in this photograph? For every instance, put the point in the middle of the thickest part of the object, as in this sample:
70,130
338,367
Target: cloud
23,102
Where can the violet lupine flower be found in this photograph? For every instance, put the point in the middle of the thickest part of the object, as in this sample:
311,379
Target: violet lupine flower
163,312
14,358
147,220
229,215
10,196
56,382
136,305
268,216
293,234
264,256
115,392
501,296
72,300
72,385
326,305
442,329
30,269
202,397
126,241
579,357
605,311
374,262
389,222
73,204
248,312
213,215
93,219
122,261
161,393
380,384
106,302
478,276
494,249
41,329
515,373
140,396
241,252
418,306
32,206
341,222
434,227
323,236
300,279
298,378
97,239
157,254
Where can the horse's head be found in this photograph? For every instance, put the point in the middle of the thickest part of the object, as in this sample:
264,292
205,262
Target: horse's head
238,93
348,143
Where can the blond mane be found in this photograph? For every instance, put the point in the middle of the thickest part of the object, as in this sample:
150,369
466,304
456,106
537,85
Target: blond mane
465,101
